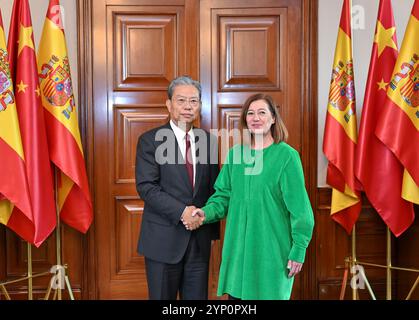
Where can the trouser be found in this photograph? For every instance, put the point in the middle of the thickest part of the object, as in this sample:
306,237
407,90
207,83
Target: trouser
189,277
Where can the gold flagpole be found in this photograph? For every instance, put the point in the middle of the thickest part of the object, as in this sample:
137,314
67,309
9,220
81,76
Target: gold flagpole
413,288
353,261
58,245
61,271
4,290
58,228
345,278
30,289
388,264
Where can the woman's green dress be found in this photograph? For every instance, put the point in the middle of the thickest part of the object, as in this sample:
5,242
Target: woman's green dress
269,220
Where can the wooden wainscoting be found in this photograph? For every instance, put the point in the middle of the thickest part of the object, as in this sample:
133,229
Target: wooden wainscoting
407,256
333,244
13,263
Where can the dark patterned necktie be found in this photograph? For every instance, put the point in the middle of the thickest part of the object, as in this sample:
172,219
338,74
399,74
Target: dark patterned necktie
188,160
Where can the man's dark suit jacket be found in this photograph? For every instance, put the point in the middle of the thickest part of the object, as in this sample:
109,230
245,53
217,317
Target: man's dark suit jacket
166,190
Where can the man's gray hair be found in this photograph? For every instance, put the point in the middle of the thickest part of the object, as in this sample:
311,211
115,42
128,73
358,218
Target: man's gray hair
182,81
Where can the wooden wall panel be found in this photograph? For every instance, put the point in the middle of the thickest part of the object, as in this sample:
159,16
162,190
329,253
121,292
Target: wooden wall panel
128,279
228,118
128,221
131,122
406,247
251,46
151,66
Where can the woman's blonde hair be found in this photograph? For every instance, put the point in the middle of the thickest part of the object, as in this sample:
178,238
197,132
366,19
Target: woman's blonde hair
278,130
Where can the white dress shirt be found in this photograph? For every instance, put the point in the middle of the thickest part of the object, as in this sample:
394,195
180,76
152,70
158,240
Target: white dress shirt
180,137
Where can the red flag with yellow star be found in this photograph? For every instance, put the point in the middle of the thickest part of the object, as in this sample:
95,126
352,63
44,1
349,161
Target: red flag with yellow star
398,124
340,134
31,119
377,168
15,206
63,132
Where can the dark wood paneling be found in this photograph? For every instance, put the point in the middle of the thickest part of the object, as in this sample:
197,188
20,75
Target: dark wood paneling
407,256
3,260
229,117
151,66
128,279
333,245
129,214
252,57
130,122
43,259
85,90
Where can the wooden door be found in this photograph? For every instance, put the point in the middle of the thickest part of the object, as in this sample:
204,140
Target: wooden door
138,48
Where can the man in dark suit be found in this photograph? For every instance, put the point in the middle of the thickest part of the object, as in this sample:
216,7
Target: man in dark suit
175,173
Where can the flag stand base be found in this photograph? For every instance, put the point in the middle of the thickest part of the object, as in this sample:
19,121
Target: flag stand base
58,284
60,278
58,281
352,266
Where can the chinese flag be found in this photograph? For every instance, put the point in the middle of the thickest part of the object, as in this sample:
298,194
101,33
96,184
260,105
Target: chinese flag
340,134
15,207
66,151
31,119
398,124
377,168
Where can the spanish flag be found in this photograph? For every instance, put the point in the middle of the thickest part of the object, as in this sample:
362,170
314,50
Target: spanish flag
340,134
15,206
66,150
31,119
398,124
377,168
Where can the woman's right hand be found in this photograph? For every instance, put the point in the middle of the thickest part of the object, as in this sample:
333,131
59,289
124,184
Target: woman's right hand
196,220
199,212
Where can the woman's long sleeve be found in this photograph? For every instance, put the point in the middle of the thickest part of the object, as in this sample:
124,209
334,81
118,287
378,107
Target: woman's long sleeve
298,205
216,207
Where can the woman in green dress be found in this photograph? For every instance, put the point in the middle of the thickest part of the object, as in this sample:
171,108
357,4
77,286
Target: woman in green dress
269,220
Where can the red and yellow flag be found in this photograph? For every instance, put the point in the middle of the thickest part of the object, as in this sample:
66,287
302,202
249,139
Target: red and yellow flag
31,119
64,141
340,133
15,206
377,168
398,124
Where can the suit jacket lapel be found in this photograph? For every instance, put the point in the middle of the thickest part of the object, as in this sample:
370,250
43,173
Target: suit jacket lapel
197,178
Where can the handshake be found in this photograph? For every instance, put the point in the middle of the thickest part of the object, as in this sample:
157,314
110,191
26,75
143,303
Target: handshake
192,218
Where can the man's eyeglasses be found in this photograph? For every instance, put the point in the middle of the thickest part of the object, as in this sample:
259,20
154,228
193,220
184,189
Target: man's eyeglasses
181,101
